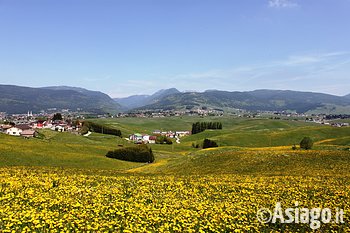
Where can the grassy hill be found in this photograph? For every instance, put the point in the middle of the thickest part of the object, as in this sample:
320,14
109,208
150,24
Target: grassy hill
239,135
65,182
240,132
61,150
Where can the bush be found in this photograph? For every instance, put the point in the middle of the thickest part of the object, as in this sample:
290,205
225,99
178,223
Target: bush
84,130
306,143
207,143
140,153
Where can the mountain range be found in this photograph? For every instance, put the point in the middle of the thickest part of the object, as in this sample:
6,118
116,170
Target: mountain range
17,99
266,100
136,101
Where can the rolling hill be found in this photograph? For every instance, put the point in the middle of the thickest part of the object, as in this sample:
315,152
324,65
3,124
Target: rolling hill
17,99
266,100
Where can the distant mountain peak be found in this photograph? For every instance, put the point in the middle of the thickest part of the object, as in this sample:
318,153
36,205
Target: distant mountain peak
136,101
166,92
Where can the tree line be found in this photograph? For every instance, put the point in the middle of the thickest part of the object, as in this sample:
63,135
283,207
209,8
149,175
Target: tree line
201,126
97,128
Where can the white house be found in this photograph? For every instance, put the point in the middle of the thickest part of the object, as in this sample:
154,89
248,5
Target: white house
139,138
145,137
14,131
182,133
58,128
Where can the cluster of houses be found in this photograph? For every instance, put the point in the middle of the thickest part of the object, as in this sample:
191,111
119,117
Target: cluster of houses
60,126
323,121
142,138
159,113
29,129
151,139
23,130
340,124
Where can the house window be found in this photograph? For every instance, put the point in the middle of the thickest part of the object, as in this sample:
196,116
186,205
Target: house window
13,132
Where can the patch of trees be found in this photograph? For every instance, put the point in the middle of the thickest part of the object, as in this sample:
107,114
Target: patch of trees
201,126
57,117
97,128
140,153
163,140
207,143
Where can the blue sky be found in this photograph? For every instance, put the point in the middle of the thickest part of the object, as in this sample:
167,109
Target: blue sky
137,47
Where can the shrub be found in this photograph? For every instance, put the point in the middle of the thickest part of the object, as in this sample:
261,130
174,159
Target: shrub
140,153
306,143
163,140
207,143
84,130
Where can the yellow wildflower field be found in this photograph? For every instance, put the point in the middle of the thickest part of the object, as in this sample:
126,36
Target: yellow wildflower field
67,200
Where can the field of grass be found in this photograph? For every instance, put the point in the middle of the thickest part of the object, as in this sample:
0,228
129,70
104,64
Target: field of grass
64,182
239,132
69,150
61,150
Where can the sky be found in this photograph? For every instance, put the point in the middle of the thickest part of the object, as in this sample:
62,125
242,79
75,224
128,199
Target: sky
127,47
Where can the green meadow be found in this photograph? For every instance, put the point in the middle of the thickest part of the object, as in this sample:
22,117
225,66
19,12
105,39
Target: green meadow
64,182
241,142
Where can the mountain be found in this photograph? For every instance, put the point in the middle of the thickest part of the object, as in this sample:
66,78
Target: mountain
265,100
17,99
136,101
347,96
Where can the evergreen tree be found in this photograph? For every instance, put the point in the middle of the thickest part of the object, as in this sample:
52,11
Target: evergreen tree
57,117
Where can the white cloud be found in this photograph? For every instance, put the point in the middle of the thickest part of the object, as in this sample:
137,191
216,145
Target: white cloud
282,4
312,58
280,74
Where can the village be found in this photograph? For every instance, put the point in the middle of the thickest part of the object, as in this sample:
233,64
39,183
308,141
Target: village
27,125
152,139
